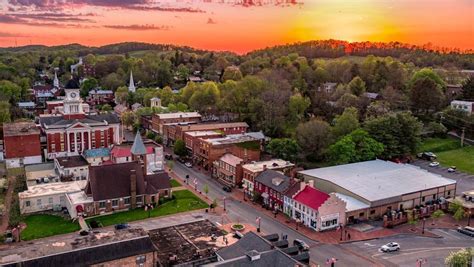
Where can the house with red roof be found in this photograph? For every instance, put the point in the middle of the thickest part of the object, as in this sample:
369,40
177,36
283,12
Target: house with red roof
313,208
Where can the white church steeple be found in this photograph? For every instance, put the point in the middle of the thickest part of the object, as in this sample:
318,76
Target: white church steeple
56,80
131,86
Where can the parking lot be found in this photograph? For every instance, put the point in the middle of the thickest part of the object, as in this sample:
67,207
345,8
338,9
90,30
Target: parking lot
433,250
465,181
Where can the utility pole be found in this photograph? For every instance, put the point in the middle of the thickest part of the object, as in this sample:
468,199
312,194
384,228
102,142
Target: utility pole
462,136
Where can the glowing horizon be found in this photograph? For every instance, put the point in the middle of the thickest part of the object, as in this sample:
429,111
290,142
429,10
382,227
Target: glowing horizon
235,25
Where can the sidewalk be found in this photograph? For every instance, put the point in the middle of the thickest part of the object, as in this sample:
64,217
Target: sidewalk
334,236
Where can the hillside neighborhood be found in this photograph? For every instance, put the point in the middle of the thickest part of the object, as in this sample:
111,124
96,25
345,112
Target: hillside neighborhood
230,166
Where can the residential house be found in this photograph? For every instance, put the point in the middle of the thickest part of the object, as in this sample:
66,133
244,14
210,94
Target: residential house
74,168
327,87
21,144
313,208
158,120
466,106
97,156
271,186
227,169
251,170
382,185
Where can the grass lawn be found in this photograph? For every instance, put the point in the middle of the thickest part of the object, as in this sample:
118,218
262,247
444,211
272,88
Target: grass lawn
42,225
184,200
450,153
462,158
175,183
439,144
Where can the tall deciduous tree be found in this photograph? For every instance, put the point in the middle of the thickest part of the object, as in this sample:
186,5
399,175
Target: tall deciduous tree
357,86
313,137
468,89
205,99
460,258
426,95
284,148
128,118
355,147
121,95
345,123
180,148
398,132
232,73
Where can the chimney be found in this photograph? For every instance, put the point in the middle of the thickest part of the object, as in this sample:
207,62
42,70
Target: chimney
253,255
311,183
133,188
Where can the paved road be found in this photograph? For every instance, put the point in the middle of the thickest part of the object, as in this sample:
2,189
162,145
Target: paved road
242,212
465,180
434,250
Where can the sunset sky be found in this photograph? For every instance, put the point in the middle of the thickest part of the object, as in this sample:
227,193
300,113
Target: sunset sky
236,25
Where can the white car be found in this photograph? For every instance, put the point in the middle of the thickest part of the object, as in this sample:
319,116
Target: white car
392,246
434,164
188,164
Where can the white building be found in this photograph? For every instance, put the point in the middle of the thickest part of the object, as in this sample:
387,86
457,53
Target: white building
313,208
73,168
41,173
51,196
155,102
467,106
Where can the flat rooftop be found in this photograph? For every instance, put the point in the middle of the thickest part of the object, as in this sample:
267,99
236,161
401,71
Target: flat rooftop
52,189
36,171
201,133
20,128
232,139
178,115
258,166
188,242
231,159
377,179
47,247
212,126
352,204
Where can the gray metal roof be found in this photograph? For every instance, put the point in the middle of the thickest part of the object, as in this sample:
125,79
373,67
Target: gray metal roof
271,258
138,148
377,179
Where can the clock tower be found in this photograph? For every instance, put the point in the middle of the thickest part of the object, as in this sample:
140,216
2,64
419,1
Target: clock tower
72,107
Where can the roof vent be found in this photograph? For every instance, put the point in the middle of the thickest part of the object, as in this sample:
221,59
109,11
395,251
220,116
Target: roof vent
253,255
277,181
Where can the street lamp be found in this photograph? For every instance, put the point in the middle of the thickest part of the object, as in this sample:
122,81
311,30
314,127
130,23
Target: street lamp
224,203
340,228
423,230
258,221
469,218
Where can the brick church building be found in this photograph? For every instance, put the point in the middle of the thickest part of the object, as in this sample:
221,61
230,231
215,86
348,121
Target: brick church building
74,131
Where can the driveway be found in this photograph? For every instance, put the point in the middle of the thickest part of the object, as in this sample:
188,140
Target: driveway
465,181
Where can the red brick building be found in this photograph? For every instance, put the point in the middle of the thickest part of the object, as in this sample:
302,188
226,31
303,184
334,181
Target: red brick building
100,97
173,132
72,132
272,186
21,143
192,139
228,170
158,120
243,146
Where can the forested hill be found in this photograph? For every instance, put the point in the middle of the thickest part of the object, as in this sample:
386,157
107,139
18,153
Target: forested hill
422,56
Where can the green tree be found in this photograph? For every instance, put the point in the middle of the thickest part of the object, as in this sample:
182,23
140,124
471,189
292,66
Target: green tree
9,91
88,85
313,137
121,95
4,112
106,108
426,96
112,81
284,148
297,107
457,210
180,148
468,89
128,118
355,147
427,73
232,73
460,258
166,96
206,98
438,129
398,132
357,86
345,123
436,215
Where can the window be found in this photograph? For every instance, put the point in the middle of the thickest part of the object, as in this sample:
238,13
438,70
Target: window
139,199
141,260
28,203
102,205
50,200
372,212
362,214
115,203
38,202
434,196
449,193
423,199
126,201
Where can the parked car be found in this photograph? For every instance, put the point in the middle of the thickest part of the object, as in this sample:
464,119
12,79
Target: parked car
300,244
188,164
452,169
466,230
390,247
427,156
227,188
121,226
434,164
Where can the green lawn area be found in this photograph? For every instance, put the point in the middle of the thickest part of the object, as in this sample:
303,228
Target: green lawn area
175,183
462,158
42,225
184,200
439,144
450,153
